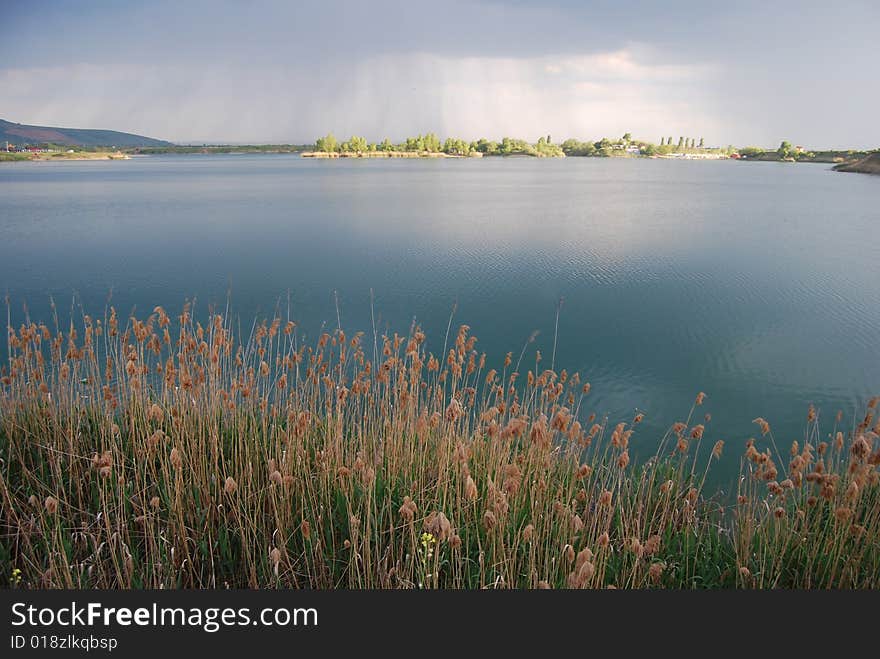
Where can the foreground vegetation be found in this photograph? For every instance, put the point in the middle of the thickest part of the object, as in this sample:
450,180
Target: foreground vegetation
164,453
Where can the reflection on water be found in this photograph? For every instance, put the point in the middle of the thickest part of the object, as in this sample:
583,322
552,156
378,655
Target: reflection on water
754,282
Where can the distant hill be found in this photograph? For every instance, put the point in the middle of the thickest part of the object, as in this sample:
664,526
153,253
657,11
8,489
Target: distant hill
24,134
869,165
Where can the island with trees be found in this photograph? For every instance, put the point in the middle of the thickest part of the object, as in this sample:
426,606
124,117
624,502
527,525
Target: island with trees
669,147
430,146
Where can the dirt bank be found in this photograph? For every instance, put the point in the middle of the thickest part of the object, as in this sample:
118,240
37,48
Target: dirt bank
868,165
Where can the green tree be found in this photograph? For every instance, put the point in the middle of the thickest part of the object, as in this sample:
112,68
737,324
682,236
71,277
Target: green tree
357,144
701,142
661,140
432,143
680,142
572,147
486,147
326,143
456,147
603,147
751,151
785,150
627,138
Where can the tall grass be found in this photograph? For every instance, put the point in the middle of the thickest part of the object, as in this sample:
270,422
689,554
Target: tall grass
161,453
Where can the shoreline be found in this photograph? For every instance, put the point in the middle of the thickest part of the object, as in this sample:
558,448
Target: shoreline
384,154
867,165
53,156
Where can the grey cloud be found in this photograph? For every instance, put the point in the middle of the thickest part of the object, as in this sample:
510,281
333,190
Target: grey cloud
272,70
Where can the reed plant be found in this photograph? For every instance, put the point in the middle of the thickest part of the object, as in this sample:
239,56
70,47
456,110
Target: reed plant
160,452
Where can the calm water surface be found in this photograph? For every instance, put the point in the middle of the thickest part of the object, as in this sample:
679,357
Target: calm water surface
754,282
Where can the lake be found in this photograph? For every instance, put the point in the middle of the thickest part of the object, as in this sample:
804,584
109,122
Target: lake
754,282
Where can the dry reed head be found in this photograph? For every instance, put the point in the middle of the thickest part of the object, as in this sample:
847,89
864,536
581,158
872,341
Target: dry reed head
470,489
438,525
175,458
229,485
156,414
762,424
635,546
581,576
490,521
655,572
408,510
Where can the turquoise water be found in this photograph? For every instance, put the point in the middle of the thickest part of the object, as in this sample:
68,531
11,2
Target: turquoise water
758,283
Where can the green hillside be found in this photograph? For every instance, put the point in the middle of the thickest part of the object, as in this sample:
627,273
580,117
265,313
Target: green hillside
23,134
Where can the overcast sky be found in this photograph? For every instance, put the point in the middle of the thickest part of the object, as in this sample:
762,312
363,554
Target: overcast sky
272,71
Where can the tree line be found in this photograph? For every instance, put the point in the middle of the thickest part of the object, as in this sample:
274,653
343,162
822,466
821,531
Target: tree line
430,143
545,147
